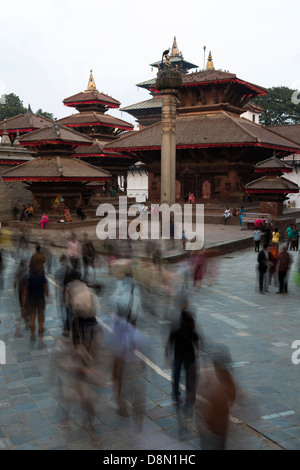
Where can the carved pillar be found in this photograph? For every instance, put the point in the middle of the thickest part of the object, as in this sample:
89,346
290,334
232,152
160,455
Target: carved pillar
168,81
168,148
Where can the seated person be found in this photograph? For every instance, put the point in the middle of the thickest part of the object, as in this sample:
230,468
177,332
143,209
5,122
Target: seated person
80,213
44,220
67,215
28,211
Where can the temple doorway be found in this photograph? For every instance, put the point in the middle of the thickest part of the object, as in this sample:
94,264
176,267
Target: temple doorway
206,190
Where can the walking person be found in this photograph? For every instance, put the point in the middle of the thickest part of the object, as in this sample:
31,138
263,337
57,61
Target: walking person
263,264
257,238
37,260
273,258
289,234
88,255
219,391
295,236
284,264
35,293
275,237
74,250
267,234
186,347
242,214
19,281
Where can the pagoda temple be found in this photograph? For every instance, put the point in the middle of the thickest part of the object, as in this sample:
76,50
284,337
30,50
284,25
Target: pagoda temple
55,178
92,121
23,123
149,111
216,149
272,188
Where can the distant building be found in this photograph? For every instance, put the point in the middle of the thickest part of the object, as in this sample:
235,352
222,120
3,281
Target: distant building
291,132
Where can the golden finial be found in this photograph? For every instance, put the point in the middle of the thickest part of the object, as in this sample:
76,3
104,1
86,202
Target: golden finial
91,83
174,50
209,65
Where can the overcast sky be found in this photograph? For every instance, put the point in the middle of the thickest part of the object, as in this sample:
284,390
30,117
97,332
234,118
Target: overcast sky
49,46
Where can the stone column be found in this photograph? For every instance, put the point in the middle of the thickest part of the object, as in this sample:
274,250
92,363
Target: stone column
168,82
168,147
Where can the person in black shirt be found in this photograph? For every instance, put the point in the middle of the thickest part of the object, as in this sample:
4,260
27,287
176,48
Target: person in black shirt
35,291
186,344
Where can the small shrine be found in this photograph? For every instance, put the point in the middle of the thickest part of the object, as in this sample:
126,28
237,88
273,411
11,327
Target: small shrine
55,178
272,188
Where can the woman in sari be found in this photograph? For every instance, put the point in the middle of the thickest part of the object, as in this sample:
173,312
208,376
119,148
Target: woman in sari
44,220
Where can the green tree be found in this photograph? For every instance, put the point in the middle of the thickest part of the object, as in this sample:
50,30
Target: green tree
10,106
44,114
280,106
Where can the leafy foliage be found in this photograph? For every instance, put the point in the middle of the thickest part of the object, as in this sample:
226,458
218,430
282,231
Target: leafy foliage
280,106
11,106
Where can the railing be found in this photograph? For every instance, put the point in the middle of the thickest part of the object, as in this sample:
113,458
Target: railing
251,217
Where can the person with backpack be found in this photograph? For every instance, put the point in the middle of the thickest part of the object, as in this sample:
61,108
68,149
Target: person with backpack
84,306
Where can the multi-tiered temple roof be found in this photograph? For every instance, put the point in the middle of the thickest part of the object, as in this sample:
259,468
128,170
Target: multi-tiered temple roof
24,123
91,118
216,144
149,111
55,175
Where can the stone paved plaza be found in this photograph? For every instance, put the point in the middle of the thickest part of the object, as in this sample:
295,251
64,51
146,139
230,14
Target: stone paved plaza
258,329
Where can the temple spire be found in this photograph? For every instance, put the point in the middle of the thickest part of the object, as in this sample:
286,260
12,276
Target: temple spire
209,65
174,50
29,109
91,83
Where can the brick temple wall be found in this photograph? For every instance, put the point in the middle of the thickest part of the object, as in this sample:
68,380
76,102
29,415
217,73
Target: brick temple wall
11,194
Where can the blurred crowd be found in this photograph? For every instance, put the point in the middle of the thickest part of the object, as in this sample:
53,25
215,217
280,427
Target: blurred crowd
107,349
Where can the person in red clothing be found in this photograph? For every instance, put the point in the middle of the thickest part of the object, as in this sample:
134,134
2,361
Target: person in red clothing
284,264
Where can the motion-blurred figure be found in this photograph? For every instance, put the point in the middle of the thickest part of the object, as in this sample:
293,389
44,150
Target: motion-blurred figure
129,370
74,251
219,392
199,269
19,281
6,240
84,306
35,292
59,276
186,344
284,264
2,267
37,260
88,255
